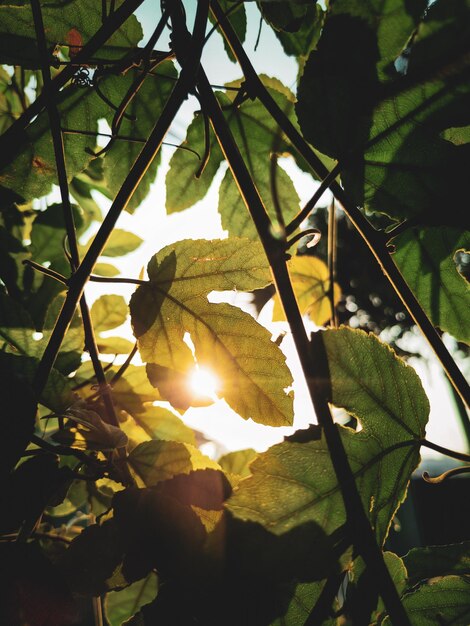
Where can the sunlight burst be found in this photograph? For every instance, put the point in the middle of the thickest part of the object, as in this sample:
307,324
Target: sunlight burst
204,383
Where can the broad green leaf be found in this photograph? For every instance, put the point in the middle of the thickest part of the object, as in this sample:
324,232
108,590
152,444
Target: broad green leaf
390,130
132,390
155,461
71,24
425,258
433,561
30,169
302,42
160,423
106,269
114,345
108,312
121,242
258,137
310,281
234,214
393,22
293,483
17,328
303,600
238,463
443,601
145,108
284,15
183,189
48,233
124,604
174,302
72,346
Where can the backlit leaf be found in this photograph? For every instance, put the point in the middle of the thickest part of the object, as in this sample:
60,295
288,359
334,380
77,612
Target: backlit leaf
160,423
433,561
238,462
443,601
122,605
108,312
310,280
293,483
174,302
71,24
237,18
425,258
155,461
144,108
119,243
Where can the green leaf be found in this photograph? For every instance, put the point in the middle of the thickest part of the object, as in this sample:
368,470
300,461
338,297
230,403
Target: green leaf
443,601
390,130
183,189
30,169
160,423
174,302
145,108
285,15
310,281
303,600
293,483
121,242
238,463
132,390
457,136
71,24
124,604
426,260
302,42
106,269
114,345
108,312
433,561
155,461
12,98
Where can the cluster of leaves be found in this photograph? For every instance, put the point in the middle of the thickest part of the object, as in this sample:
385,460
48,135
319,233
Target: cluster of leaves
131,510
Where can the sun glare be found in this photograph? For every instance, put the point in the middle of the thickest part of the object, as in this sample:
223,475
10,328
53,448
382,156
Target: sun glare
204,383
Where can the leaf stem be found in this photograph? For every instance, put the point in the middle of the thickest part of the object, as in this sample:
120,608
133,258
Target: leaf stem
332,250
375,240
461,456
310,359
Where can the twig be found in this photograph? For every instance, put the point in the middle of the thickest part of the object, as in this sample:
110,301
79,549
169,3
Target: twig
437,480
460,456
332,249
308,208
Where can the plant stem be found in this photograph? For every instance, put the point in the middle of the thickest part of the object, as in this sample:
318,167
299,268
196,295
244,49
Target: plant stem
11,136
143,161
461,456
314,362
375,240
332,249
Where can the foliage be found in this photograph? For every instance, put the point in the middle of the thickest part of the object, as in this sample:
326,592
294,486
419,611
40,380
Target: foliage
109,502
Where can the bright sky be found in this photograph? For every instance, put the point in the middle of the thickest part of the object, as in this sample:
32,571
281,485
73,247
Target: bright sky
157,229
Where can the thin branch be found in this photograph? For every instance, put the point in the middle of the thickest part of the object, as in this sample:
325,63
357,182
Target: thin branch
309,232
460,456
375,240
106,279
332,249
311,204
46,271
121,371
